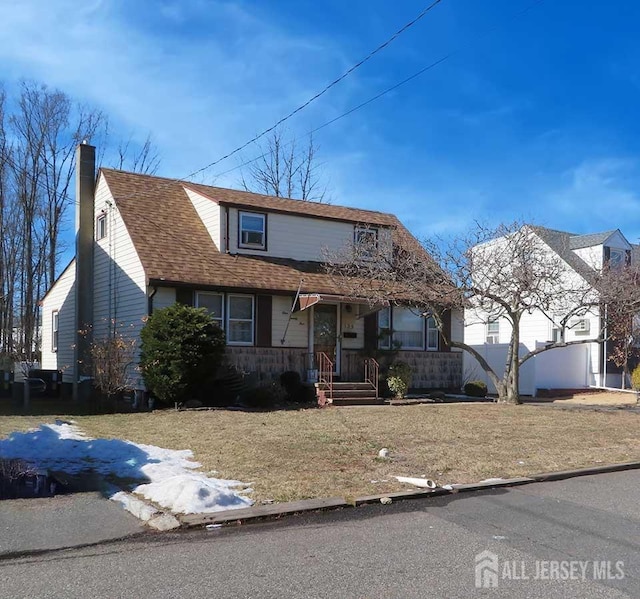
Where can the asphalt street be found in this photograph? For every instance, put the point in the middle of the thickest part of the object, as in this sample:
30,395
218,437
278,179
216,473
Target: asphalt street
572,538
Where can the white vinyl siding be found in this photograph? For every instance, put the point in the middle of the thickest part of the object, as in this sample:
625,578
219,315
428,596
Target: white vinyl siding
299,237
209,213
120,292
61,300
297,331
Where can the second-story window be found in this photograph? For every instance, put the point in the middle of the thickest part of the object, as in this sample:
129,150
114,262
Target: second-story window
101,226
493,331
253,231
366,242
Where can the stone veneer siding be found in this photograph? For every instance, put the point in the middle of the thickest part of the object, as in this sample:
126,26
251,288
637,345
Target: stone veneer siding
267,363
430,370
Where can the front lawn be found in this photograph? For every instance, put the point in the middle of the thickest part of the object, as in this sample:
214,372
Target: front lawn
334,452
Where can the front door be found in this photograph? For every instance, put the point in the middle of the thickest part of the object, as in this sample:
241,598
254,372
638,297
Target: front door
325,332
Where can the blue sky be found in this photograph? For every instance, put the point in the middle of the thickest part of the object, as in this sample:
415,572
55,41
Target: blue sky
534,116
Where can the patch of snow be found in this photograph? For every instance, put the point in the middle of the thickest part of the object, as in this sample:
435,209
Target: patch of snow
164,476
383,453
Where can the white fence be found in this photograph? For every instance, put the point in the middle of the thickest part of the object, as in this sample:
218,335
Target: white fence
560,368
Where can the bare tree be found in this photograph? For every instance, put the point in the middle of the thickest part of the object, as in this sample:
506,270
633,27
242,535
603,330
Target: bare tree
503,272
145,160
285,169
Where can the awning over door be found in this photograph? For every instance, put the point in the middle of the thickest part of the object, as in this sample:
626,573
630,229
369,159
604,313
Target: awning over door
306,300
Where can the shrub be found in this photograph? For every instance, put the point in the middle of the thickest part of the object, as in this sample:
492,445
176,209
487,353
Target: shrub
264,397
290,381
635,378
475,389
399,378
181,349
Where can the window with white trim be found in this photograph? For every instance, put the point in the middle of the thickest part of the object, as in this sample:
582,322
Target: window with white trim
54,330
240,319
493,331
404,328
252,231
214,304
384,328
366,242
101,226
432,334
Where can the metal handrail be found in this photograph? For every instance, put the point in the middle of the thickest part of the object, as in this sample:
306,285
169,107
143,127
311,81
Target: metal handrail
325,372
372,372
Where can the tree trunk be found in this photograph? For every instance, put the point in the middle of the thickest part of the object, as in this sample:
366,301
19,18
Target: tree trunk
509,391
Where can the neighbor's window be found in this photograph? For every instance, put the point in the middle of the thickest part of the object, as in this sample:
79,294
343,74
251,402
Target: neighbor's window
493,331
616,258
432,334
54,330
214,303
240,318
253,230
101,227
366,242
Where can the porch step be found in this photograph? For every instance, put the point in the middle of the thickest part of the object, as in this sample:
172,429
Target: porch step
348,393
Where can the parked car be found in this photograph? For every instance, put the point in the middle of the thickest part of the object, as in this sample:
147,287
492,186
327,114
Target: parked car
36,385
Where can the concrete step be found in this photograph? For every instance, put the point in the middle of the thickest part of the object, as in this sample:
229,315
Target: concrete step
353,392
346,385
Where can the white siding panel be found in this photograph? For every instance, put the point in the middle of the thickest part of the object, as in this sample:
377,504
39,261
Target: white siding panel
296,237
209,213
351,324
120,292
593,256
61,297
298,331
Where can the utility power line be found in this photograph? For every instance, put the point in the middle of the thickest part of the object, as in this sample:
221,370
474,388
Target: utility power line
320,93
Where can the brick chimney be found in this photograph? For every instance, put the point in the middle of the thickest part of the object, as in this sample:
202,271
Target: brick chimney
85,190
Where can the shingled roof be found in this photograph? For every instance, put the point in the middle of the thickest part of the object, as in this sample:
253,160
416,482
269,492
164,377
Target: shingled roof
175,248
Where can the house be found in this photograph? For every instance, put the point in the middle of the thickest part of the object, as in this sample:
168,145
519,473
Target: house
255,262
573,367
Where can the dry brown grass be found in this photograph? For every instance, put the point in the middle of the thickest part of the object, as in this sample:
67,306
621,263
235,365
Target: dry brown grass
333,452
600,398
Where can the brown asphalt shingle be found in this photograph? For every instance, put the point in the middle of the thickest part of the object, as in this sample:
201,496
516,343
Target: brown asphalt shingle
175,247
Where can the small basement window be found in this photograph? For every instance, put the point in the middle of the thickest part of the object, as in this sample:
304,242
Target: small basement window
253,231
101,227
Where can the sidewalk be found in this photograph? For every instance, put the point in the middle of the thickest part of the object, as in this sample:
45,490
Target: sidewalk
28,525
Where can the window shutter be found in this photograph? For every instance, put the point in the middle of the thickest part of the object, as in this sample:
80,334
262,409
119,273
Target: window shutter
627,259
184,295
607,254
446,330
371,331
264,316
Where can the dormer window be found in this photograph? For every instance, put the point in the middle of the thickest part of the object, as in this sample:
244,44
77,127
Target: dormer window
366,242
253,231
616,258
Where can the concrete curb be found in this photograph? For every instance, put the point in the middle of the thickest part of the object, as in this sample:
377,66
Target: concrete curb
279,510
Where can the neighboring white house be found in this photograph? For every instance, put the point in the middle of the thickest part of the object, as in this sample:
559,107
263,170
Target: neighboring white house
578,366
254,261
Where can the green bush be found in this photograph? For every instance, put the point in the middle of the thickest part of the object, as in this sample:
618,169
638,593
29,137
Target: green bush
399,378
181,351
475,389
263,397
635,378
